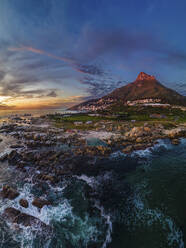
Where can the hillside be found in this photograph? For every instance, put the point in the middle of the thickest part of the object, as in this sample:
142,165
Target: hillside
144,87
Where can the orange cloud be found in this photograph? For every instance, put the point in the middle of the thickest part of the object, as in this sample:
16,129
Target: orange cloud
34,50
84,69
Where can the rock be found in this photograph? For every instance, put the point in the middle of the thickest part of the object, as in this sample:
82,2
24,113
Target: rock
127,149
14,157
16,146
119,128
173,133
136,132
109,142
36,137
3,156
142,146
39,203
103,150
9,193
15,216
44,177
147,129
23,203
175,141
160,126
139,140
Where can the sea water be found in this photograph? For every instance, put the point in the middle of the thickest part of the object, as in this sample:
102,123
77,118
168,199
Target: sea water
137,201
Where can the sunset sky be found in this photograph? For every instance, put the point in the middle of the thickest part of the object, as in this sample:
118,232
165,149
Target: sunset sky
56,53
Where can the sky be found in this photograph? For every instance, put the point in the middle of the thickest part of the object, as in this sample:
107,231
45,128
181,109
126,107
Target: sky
57,53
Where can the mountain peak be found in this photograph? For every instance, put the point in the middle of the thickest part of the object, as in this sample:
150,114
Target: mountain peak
145,87
143,76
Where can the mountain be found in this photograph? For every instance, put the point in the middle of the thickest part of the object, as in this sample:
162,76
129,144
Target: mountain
144,87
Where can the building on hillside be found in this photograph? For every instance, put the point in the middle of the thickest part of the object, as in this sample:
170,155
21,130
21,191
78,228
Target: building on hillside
143,101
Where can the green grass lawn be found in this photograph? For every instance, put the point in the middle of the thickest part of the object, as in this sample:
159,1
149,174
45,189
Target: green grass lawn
171,117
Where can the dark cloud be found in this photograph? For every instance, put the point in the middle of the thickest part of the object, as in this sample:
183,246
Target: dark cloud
18,88
52,94
90,69
2,75
98,87
124,44
16,85
121,42
175,57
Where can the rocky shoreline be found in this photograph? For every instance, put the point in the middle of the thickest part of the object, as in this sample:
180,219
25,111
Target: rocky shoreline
49,154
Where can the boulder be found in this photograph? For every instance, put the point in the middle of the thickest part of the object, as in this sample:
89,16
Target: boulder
142,146
128,149
39,203
14,157
174,133
23,203
15,146
109,142
175,141
147,129
139,140
15,216
3,156
45,177
103,150
135,132
9,193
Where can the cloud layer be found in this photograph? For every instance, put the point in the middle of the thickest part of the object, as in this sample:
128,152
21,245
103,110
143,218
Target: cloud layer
65,50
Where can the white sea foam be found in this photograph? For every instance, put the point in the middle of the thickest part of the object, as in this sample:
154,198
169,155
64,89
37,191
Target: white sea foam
107,218
143,215
91,181
94,182
87,226
117,155
147,153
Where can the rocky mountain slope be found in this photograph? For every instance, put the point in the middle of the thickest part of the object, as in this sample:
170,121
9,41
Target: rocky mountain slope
144,87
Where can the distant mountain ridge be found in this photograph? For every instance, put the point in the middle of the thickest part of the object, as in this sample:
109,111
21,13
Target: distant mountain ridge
144,87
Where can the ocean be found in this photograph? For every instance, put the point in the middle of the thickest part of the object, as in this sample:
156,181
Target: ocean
135,201
34,112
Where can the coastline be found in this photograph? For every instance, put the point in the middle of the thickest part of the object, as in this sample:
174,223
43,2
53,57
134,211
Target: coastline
43,155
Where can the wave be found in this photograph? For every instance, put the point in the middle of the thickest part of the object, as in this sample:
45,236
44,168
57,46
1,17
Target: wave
75,228
94,182
161,145
145,218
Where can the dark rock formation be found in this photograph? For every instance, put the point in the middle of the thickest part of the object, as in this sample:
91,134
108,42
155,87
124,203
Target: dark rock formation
15,216
23,203
39,203
9,192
